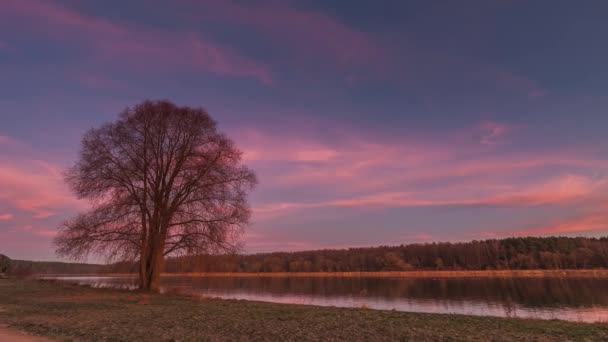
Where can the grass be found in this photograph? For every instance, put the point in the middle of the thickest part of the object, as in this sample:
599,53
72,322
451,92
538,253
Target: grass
75,313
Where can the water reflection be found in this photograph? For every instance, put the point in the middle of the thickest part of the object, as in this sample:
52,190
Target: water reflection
575,299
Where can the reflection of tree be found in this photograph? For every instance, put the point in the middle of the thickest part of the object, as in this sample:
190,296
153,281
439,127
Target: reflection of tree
510,309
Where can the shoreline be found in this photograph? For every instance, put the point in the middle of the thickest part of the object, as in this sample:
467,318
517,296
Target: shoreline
591,273
70,312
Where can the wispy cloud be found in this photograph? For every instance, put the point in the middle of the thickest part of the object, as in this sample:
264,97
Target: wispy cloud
585,223
307,33
6,141
6,217
493,133
135,46
418,173
34,186
561,190
31,185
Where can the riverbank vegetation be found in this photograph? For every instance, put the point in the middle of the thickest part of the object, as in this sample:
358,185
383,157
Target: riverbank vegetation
67,312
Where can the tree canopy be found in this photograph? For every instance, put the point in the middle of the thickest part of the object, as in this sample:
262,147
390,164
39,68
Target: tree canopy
162,180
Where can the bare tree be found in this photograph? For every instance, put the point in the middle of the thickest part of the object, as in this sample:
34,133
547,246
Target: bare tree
162,181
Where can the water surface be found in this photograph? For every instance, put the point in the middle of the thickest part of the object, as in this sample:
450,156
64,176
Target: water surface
573,299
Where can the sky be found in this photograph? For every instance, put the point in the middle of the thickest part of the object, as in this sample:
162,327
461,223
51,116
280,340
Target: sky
367,122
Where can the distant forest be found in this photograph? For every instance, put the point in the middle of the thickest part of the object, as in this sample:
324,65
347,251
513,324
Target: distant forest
24,267
510,253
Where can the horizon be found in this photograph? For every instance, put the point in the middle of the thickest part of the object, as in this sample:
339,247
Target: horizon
366,125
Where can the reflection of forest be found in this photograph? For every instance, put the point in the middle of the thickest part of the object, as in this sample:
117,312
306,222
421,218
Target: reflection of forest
529,292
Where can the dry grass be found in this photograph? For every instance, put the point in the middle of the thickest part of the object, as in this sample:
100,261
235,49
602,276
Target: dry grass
72,313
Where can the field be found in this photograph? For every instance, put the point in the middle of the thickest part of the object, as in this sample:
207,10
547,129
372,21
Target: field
68,312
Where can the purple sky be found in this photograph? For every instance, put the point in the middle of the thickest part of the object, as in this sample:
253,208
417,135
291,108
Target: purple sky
367,122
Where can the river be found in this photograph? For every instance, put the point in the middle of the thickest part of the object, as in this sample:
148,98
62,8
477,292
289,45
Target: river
565,298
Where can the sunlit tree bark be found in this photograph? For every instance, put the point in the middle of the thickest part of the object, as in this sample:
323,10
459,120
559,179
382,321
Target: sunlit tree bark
162,181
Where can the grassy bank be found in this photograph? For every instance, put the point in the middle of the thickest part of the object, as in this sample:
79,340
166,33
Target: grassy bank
67,312
593,273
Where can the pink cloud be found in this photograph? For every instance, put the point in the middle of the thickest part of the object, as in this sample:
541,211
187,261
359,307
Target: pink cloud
309,161
34,200
6,141
18,243
34,186
585,223
561,190
423,237
356,165
6,217
44,214
134,45
592,221
31,230
492,132
359,173
260,241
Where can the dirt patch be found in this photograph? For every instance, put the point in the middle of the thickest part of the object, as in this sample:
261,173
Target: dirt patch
80,297
144,300
17,336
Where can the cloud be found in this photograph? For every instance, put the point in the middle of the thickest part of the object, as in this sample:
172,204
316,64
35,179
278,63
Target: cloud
6,141
34,186
307,33
584,223
6,217
357,163
34,200
493,133
31,185
594,220
352,172
136,46
561,190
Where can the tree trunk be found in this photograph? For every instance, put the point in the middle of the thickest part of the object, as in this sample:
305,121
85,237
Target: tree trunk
151,266
143,268
157,262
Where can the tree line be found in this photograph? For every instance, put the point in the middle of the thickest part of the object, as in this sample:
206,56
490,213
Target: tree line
26,268
510,253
